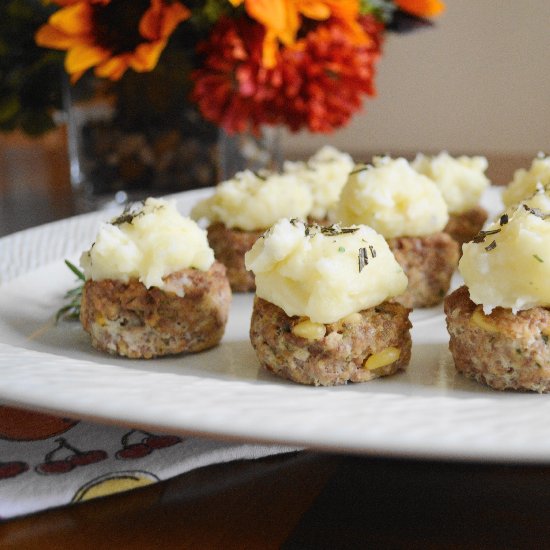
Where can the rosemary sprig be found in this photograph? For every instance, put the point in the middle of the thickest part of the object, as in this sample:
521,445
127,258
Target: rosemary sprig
72,309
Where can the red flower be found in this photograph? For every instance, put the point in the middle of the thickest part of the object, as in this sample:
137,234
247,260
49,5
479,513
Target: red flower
318,84
229,86
326,79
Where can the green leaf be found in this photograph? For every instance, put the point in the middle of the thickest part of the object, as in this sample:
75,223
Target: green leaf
382,9
9,107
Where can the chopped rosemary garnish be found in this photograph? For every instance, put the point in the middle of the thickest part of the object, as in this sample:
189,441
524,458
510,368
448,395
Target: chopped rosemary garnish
311,229
480,237
72,309
129,214
357,170
259,175
337,230
492,246
536,212
124,218
363,258
538,258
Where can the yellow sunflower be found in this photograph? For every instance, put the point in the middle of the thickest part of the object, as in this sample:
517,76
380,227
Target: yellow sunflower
111,35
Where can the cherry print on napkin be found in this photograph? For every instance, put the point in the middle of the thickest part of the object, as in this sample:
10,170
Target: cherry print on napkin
146,445
76,457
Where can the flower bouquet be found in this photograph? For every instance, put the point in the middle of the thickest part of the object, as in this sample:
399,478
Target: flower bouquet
171,73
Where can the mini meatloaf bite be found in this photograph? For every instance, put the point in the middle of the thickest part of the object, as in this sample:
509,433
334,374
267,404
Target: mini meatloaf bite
504,350
499,321
462,182
464,227
429,263
408,209
152,286
322,314
132,320
241,209
230,246
371,343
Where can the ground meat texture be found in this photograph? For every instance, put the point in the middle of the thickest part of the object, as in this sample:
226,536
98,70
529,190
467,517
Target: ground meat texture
504,350
338,357
429,263
230,246
131,320
464,227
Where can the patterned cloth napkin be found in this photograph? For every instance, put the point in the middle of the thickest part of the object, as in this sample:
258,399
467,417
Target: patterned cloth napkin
47,461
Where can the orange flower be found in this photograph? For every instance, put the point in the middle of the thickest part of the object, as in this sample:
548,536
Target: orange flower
111,35
422,8
281,19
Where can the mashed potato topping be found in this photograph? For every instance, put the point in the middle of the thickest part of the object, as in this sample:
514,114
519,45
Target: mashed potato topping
393,199
540,200
324,273
326,172
147,242
525,182
508,264
461,180
254,202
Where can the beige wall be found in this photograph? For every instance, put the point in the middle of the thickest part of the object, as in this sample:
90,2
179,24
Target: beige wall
478,82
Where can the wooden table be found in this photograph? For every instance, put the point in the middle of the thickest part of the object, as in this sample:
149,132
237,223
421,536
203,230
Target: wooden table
295,501
310,500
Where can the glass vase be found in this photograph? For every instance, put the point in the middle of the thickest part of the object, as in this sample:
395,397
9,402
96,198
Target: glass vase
250,151
135,138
